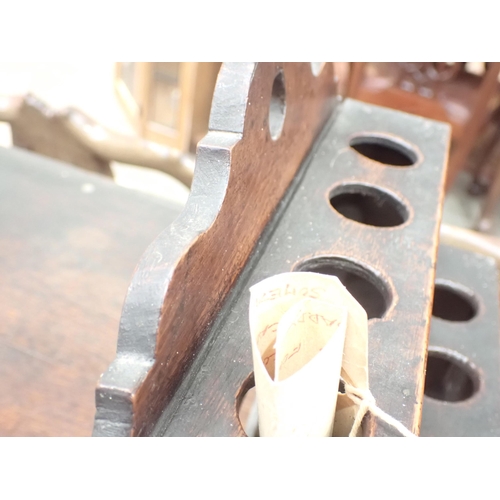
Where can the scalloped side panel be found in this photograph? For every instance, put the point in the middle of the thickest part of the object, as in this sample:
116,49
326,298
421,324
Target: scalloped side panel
185,275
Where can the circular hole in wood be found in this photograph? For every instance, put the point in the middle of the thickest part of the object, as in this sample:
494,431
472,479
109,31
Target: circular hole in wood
247,407
450,376
317,68
362,282
454,302
277,107
369,205
248,413
384,150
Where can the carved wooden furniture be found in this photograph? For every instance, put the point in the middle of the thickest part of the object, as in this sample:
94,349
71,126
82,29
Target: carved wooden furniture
487,178
72,136
486,218
288,178
69,243
441,91
168,102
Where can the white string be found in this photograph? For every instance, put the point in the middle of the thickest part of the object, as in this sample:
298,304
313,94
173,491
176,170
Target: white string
366,402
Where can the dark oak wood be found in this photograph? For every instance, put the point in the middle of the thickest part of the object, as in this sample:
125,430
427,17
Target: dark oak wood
259,207
184,277
488,177
436,91
485,222
463,376
69,243
392,270
481,110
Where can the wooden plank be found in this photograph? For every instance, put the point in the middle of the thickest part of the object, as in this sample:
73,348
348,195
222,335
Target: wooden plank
389,269
463,370
185,276
366,204
69,243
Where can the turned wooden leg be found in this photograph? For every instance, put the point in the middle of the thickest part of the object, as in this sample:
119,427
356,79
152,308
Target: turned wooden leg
461,152
482,159
485,222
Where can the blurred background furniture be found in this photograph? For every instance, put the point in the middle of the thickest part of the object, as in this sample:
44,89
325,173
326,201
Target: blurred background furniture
72,136
487,178
70,240
449,92
168,102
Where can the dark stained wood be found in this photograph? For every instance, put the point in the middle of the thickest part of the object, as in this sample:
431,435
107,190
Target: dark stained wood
355,78
185,276
463,392
488,177
486,218
482,161
436,91
398,264
481,110
69,243
184,347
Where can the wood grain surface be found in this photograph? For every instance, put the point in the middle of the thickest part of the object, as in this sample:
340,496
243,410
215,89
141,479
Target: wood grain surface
389,270
69,243
184,361
183,279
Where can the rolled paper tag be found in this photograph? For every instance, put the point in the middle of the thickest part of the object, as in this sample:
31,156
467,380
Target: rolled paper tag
306,331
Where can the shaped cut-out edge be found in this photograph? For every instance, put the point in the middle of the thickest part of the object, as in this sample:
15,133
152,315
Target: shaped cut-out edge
153,351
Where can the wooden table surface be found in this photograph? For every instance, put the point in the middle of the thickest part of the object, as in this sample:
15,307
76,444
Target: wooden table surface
69,243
